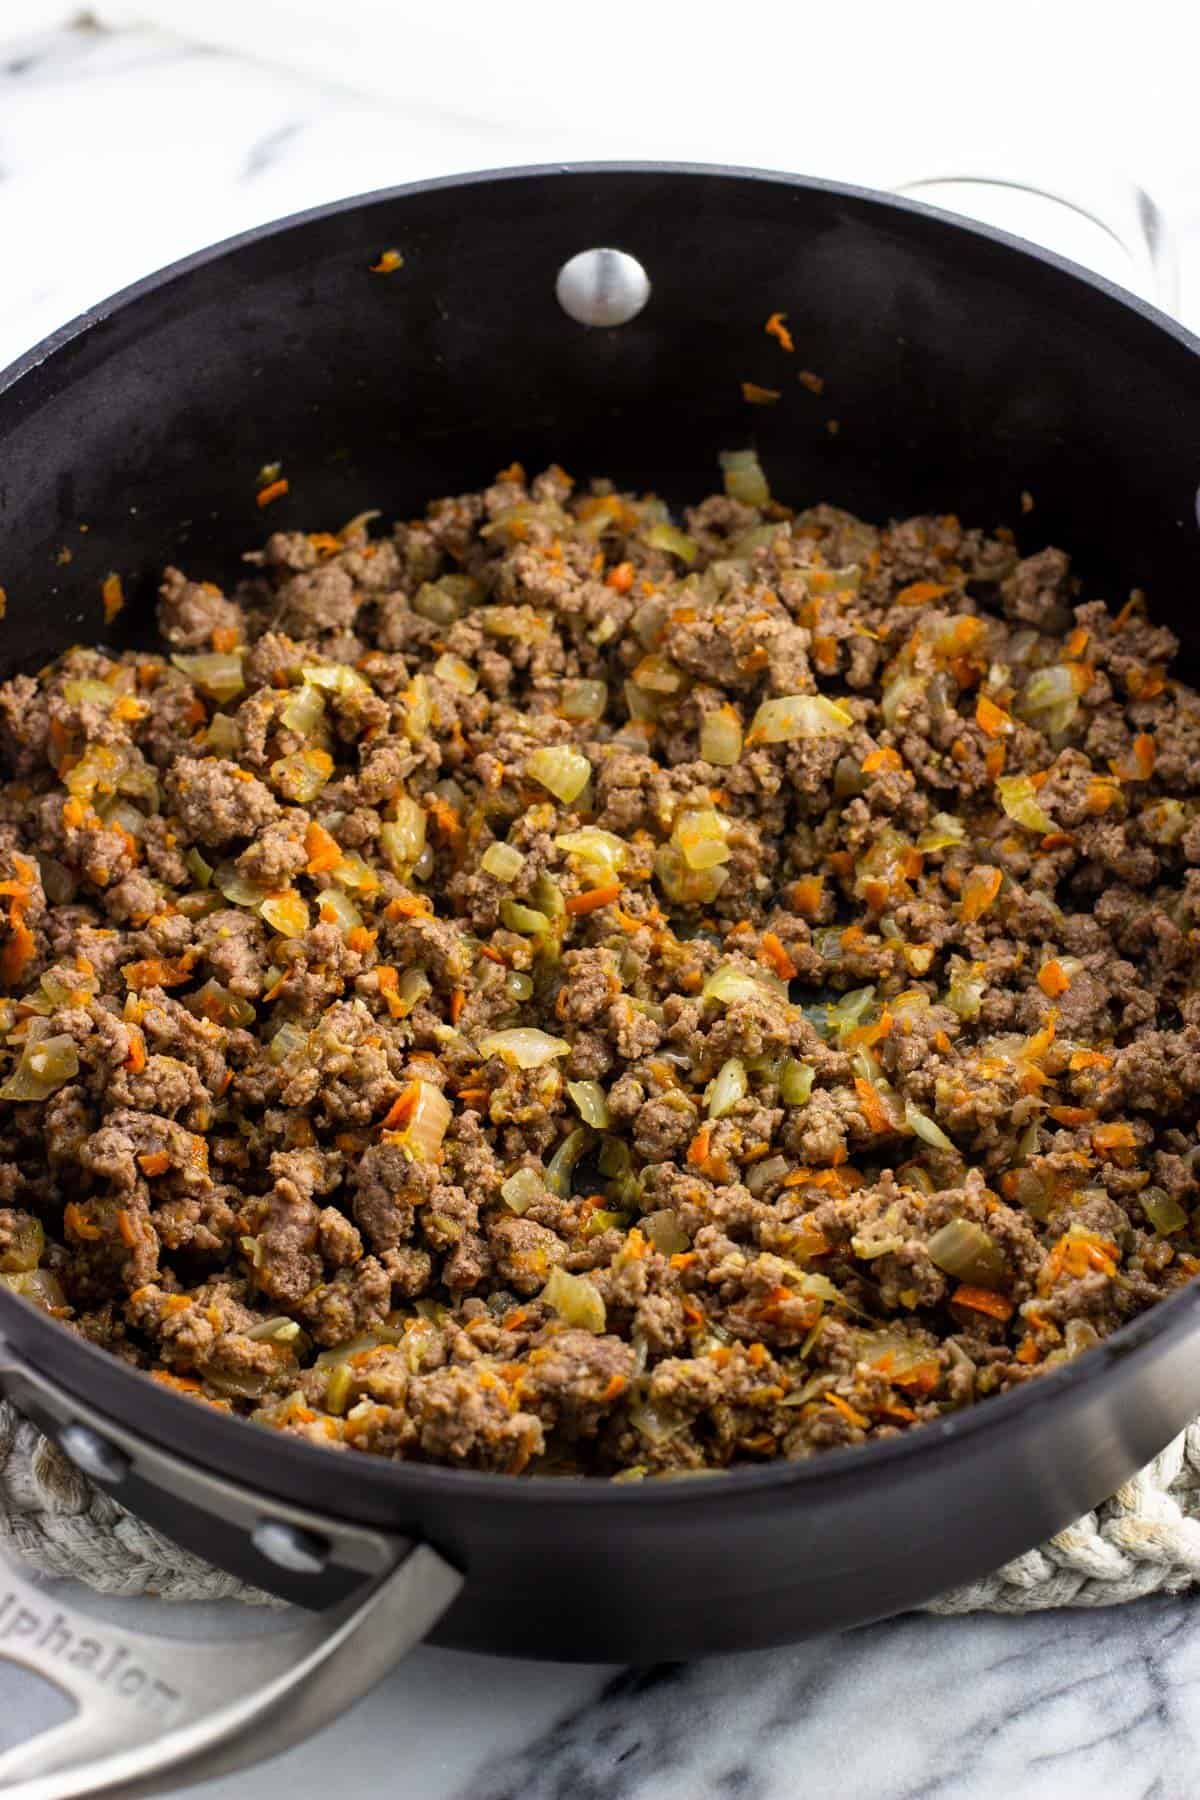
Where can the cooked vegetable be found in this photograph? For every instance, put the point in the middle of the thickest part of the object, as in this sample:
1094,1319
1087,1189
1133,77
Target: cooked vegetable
744,478
966,1251
218,676
576,1300
798,716
524,1047
565,772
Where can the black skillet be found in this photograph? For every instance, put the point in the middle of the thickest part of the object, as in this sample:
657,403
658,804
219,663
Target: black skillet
961,367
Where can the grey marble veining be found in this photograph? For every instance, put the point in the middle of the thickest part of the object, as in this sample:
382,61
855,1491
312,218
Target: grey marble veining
119,152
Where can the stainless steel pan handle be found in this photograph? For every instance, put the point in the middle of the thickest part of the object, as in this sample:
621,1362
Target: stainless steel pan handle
1117,205
148,1707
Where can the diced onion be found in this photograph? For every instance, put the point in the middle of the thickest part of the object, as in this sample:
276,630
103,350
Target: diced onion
583,699
562,1164
215,674
352,872
925,1128
943,831
413,987
522,1189
433,601
335,678
968,1252
41,1287
517,985
795,1082
700,835
285,913
367,1340
665,1232
1018,797
524,1046
1163,1211
729,983
847,1014
657,675
213,1001
402,839
304,712
899,695
728,1087
682,884
224,736
669,537
43,1068
1050,698
721,737
301,776
200,871
563,771
335,907
744,478
967,986
798,716
456,673
428,1121
576,1300
601,850
502,861
418,703
26,1243
94,693
591,1102
524,919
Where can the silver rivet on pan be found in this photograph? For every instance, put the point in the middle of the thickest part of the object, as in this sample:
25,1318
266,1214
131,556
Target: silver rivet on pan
290,1548
93,1454
602,287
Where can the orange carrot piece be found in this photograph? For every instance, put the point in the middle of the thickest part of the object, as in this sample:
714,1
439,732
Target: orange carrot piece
776,328
594,898
983,1300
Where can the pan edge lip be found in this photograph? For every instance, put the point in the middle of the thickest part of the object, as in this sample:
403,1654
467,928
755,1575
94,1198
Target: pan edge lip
165,276
1139,1338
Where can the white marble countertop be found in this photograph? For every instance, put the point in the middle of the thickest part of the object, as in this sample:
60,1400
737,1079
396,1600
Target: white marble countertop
118,153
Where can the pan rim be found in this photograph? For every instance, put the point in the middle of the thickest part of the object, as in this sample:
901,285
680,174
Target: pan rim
1141,1337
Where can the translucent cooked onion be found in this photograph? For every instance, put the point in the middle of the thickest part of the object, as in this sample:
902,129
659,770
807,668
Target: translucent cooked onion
44,1067
925,1128
583,699
967,986
413,987
563,771
285,913
1163,1211
729,983
456,673
700,834
216,1002
600,850
428,1118
353,873
502,861
304,712
591,1102
727,1088
669,537
744,478
277,1330
433,601
576,1300
524,1046
215,674
289,1040
89,693
237,888
522,1189
899,695
1050,698
721,737
968,1252
517,985
561,1166
224,737
26,1242
355,1346
943,831
795,1082
58,882
200,871
795,716
41,1287
665,1232
301,776
402,838
847,1014
418,706
1018,797
335,678
523,919
682,884
335,907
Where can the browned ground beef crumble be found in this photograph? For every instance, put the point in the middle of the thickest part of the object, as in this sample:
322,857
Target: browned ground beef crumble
542,991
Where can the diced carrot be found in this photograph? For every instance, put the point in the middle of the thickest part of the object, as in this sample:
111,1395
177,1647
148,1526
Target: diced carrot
1053,978
993,761
274,490
991,718
697,1154
408,906
156,971
759,396
873,1109
620,579
458,1000
919,593
1114,1137
1072,1115
979,892
402,1108
19,949
883,758
942,1043
127,1229
594,898
360,939
615,1385
776,328
1027,1351
806,895
848,1412
135,1062
78,1224
778,957
389,262
982,1300
113,596
1089,1059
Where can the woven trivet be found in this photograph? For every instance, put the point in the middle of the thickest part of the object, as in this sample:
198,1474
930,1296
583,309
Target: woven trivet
1145,1540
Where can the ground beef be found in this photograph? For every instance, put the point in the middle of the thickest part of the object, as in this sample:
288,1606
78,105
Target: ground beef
542,991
